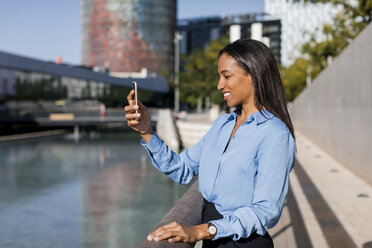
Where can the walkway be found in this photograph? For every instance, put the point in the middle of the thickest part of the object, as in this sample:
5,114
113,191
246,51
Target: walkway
327,206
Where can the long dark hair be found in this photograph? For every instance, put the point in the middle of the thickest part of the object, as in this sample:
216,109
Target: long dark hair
258,61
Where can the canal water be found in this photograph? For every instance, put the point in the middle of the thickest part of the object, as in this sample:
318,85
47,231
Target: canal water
100,191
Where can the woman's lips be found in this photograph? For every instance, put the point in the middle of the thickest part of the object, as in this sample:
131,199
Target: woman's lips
226,95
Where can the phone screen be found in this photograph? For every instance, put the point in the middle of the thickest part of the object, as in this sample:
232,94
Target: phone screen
134,86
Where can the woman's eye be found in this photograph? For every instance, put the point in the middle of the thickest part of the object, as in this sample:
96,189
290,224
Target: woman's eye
227,76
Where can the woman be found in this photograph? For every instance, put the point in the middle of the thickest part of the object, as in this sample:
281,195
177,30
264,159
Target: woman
243,161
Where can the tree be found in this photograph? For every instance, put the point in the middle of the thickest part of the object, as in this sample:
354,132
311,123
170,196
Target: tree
294,78
345,27
316,54
41,89
360,12
200,77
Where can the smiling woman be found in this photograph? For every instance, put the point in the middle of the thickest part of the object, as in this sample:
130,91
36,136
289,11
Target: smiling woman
235,83
244,160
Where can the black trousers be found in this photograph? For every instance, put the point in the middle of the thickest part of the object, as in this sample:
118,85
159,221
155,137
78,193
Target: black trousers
210,212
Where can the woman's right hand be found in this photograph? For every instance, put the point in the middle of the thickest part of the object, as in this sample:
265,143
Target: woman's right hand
141,121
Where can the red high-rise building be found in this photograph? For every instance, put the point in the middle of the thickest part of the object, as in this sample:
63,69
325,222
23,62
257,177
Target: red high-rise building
128,35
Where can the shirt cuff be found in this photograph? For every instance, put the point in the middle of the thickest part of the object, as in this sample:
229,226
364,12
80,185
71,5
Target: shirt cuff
222,229
154,144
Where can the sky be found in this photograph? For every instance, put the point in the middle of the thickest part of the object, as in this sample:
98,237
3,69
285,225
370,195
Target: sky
45,29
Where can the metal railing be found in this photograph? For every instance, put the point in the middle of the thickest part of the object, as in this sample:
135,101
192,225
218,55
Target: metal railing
80,115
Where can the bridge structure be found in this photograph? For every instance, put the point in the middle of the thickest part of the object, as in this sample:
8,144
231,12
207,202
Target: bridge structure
14,62
73,112
67,117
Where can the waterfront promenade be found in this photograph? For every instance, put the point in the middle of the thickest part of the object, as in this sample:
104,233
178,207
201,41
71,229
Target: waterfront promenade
327,205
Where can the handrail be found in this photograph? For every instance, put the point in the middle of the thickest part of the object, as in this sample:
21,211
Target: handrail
186,211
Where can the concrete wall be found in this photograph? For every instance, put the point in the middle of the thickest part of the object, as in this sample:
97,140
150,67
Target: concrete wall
335,112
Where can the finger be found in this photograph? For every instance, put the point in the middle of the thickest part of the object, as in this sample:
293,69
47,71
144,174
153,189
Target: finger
176,239
133,122
133,116
161,230
130,97
165,235
172,224
130,108
155,233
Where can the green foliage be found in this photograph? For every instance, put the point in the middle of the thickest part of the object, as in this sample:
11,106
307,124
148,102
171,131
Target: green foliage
200,77
361,12
45,89
338,36
294,78
115,96
346,26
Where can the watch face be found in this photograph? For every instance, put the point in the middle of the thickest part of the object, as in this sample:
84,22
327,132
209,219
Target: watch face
212,230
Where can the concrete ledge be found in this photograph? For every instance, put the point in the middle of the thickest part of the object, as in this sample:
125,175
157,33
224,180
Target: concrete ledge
31,135
186,211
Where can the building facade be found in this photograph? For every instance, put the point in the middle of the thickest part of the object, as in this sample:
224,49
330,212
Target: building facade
23,78
128,35
299,20
199,32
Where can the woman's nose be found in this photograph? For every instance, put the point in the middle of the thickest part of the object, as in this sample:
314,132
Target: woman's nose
220,85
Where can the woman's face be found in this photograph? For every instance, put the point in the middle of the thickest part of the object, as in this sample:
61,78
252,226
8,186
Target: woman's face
236,85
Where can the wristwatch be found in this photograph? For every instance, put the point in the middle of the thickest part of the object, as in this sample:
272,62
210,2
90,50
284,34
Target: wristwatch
212,230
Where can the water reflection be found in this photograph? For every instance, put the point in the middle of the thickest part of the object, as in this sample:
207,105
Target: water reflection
99,192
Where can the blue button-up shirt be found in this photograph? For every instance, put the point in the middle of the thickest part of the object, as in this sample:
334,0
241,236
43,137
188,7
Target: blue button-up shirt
247,182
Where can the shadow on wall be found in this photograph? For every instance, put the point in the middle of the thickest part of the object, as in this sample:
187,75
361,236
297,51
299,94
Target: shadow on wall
335,112
367,245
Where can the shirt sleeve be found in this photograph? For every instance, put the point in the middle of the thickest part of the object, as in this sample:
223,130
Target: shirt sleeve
179,167
274,163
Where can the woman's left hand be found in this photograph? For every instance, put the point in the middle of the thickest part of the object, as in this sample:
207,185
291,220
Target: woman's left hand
176,232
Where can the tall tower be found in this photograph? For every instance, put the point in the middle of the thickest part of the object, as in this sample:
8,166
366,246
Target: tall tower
128,35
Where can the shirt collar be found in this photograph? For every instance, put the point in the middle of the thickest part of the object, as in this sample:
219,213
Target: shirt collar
258,117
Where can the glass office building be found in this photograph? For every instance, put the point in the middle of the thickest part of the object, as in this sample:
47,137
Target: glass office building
199,32
128,35
299,20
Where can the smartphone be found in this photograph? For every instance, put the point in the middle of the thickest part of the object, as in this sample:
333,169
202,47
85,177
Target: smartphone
134,87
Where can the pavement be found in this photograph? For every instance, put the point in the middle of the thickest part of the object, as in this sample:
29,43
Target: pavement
334,203
327,205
